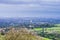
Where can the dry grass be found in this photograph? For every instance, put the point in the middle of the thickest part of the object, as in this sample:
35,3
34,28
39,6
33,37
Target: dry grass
21,34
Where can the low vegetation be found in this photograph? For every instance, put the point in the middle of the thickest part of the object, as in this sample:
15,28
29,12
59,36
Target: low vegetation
21,34
25,34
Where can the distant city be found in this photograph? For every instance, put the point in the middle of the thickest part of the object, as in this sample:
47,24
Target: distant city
26,22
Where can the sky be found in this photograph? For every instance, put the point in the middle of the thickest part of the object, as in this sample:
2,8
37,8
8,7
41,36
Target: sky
30,8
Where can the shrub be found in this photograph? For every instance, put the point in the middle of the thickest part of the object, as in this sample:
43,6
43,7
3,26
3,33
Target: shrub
21,34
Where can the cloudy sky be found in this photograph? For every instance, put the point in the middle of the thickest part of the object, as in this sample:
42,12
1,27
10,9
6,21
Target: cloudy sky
30,8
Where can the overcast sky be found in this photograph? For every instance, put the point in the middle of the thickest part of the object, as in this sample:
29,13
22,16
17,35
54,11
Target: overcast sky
30,8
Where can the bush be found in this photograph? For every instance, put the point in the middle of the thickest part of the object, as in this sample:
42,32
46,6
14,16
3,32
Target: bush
2,32
21,34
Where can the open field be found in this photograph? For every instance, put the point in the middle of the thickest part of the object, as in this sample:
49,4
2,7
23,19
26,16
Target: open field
58,25
52,33
52,29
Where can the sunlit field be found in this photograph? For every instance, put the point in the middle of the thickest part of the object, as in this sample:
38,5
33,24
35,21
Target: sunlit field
51,33
52,29
55,29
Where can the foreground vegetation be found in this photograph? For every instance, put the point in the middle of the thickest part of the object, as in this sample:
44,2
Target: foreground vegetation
21,34
52,33
2,37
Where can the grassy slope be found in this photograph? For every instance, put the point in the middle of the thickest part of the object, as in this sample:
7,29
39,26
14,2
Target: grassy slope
2,37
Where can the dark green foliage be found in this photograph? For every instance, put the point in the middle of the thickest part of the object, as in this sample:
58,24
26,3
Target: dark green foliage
53,36
2,33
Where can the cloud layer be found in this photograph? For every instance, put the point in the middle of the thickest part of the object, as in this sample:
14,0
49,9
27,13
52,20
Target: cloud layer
29,8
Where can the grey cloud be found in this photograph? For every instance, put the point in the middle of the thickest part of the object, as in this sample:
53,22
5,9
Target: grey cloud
17,2
33,7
